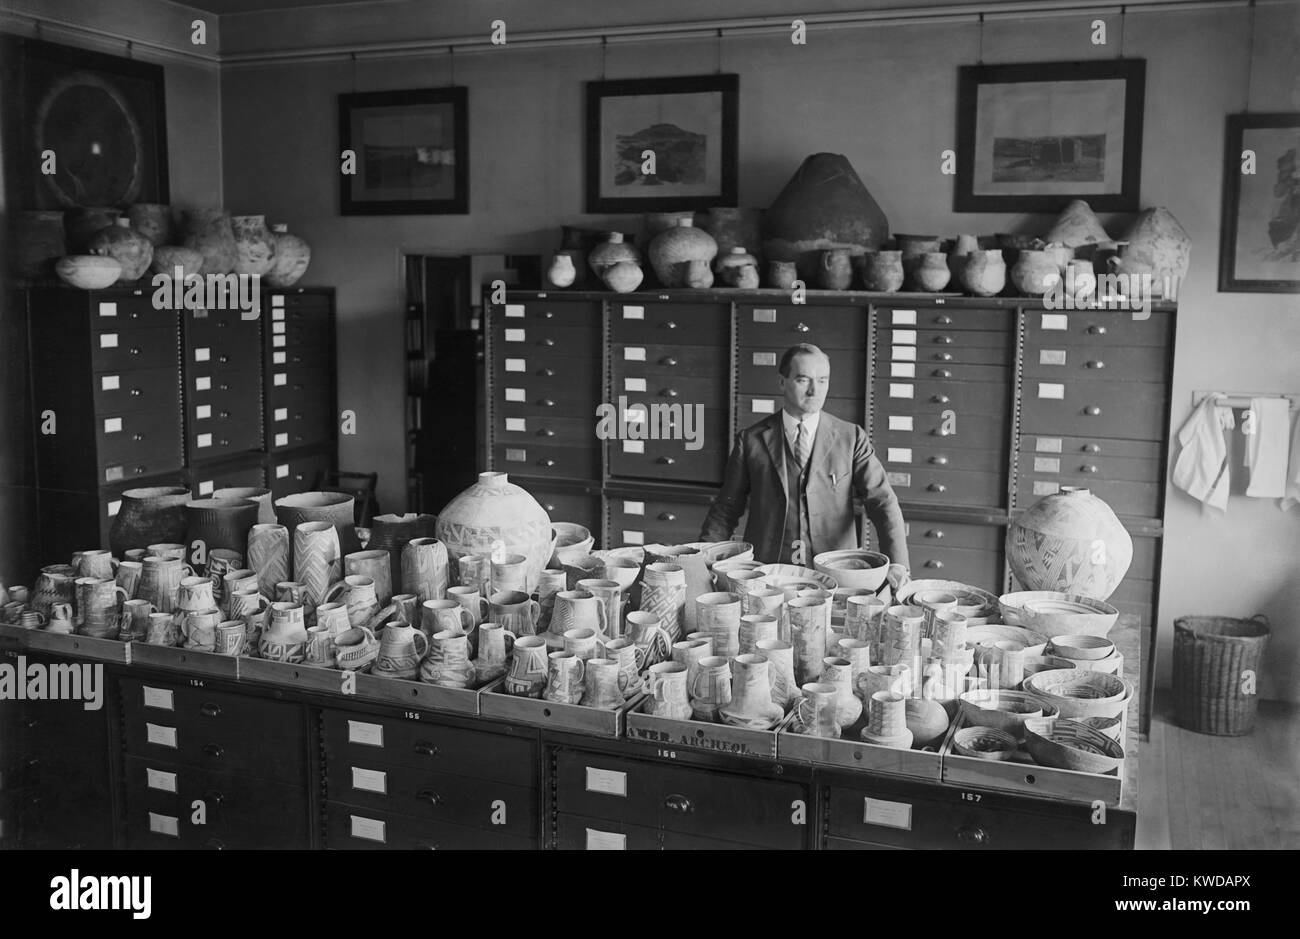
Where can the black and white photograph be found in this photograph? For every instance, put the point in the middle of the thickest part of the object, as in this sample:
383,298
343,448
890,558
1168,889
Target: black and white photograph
538,425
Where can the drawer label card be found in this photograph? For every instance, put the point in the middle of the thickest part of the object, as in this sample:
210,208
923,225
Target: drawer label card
1052,390
899,455
763,406
1043,487
764,316
900,391
282,471
633,312
277,342
904,318
203,384
112,425
634,354
606,840
516,455
277,299
903,353
203,440
516,424
900,479
371,829
633,537
633,508
634,384
163,736
160,698
277,314
905,337
635,416
202,354
280,378
202,412
114,507
1048,444
281,440
164,824
157,779
888,814
515,335
516,365
110,383
279,358
1051,356
113,473
902,369
370,780
610,782
516,394
108,340
108,309
1055,321
764,358
1047,464
363,732
900,422
206,487
634,446
514,310
277,328
281,414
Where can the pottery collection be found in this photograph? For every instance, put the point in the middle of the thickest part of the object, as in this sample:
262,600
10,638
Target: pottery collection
1070,542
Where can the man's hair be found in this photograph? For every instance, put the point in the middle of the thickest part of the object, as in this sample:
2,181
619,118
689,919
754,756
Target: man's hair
803,348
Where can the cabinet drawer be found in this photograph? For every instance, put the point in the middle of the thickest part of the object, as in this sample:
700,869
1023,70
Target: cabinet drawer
214,730
134,310
299,300
1083,449
654,520
1140,500
572,462
419,793
294,378
238,811
908,371
1111,363
299,473
310,338
705,803
349,828
509,368
302,422
1095,330
914,346
139,436
926,457
207,480
753,408
564,506
944,318
670,389
947,487
133,349
1097,466
137,390
900,423
669,459
759,375
981,569
226,422
929,341
659,361
317,357
913,397
529,396
551,336
578,833
954,535
237,345
551,430
429,747
782,326
560,311
1134,411
688,324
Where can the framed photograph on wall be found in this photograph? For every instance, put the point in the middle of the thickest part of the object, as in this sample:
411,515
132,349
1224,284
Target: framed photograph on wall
1032,137
683,129
1259,239
411,149
98,120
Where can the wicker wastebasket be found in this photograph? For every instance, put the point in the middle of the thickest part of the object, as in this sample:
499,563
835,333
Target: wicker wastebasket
1212,655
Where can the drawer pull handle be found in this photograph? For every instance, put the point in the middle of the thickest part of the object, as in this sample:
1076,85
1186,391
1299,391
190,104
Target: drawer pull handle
546,432
30,723
547,403
426,749
937,487
667,324
972,835
668,393
296,358
1097,364
1091,448
545,462
679,804
941,432
135,350
943,373
934,533
800,328
943,356
34,762
297,387
1088,468
1097,330
215,796
1092,410
223,359
668,360
213,750
546,372
136,392
667,517
548,315
428,795
935,565
223,387
223,442
224,415
137,437
666,460
547,342
939,460
940,399
139,471
943,320
210,710
943,340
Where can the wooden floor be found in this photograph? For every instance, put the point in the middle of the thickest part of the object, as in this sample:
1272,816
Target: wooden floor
1202,792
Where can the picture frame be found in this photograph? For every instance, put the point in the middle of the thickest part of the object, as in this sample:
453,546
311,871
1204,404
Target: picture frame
696,164
1259,236
412,152
1032,137
102,117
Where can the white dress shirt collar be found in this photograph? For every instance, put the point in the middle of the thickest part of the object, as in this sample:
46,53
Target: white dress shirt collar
791,424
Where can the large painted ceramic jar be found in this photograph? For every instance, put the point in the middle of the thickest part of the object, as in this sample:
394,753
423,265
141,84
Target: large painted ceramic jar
337,508
672,252
493,515
1070,542
292,255
254,245
130,248
208,232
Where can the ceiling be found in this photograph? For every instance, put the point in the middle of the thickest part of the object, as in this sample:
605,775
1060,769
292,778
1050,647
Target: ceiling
224,7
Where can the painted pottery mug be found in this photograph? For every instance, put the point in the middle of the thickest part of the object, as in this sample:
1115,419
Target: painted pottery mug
514,610
528,668
564,680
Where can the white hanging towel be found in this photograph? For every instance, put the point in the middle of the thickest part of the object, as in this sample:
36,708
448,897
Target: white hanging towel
1266,448
1292,497
1202,467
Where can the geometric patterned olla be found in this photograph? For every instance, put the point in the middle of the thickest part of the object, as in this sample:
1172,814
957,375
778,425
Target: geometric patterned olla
1072,543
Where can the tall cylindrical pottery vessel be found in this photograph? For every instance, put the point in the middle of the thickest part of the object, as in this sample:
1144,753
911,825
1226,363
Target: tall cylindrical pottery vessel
148,516
334,507
265,511
493,515
391,533
218,523
317,562
268,554
1070,542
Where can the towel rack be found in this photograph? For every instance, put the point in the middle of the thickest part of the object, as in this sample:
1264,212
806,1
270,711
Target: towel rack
1243,399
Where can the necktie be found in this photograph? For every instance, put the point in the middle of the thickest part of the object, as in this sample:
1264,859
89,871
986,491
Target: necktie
801,445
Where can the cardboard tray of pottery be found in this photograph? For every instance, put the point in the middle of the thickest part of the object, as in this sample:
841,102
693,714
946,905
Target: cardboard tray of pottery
185,660
1022,775
83,647
599,722
362,685
850,751
700,735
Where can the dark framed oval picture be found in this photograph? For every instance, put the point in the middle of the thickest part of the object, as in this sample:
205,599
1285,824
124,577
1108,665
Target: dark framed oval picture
662,144
404,152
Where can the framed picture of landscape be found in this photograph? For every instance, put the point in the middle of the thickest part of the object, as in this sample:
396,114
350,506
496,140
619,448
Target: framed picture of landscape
1259,243
662,144
409,151
1032,137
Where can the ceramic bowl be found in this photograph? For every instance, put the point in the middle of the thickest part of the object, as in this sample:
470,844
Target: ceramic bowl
1082,648
1081,693
1068,744
1004,710
1110,726
88,271
985,743
973,603
1055,613
854,568
780,575
1042,663
571,541
717,552
1030,642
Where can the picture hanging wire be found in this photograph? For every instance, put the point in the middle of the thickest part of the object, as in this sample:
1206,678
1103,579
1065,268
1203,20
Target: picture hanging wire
1123,13
1250,56
451,66
979,53
604,47
719,68
354,71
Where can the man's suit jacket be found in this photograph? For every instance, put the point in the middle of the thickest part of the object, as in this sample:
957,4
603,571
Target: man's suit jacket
842,463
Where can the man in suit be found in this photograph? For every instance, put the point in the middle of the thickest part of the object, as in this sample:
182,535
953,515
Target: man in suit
799,470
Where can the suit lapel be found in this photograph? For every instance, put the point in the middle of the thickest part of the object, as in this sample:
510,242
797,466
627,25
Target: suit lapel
824,443
774,440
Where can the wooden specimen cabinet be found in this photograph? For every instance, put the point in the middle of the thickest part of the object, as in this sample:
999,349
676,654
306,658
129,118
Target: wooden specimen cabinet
976,408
